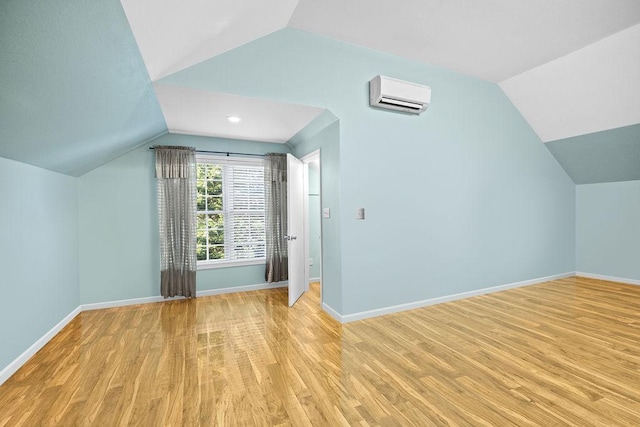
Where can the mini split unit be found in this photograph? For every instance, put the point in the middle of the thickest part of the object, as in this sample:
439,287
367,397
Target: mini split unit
394,94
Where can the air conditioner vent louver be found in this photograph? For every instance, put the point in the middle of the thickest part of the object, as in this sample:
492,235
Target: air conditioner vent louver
398,102
394,94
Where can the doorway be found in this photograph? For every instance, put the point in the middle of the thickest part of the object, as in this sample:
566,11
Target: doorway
313,219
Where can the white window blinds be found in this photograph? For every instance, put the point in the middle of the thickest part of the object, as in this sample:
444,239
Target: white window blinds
231,223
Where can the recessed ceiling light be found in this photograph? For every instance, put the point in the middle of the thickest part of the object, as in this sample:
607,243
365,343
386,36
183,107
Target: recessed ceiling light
234,119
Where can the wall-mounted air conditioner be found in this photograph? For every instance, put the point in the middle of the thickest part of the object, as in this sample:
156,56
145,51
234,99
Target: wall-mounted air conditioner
394,94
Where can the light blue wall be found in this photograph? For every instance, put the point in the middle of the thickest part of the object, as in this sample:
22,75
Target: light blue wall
462,197
119,256
314,222
38,254
608,229
75,91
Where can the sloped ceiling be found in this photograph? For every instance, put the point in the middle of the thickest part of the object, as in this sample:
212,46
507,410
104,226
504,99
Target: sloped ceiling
490,40
578,103
76,76
592,89
175,35
74,91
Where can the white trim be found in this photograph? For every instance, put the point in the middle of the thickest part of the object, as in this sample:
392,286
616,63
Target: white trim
608,278
259,287
311,156
17,363
121,303
447,298
207,265
205,293
305,221
315,155
333,313
315,279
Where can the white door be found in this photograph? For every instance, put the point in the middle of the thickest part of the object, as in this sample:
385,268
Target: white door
295,227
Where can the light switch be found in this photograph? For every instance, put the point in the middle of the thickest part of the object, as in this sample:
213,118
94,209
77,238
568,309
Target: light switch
360,213
326,213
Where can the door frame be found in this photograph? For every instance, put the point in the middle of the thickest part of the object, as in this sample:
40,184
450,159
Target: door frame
314,156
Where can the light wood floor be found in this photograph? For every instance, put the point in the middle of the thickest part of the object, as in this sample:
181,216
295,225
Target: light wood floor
560,353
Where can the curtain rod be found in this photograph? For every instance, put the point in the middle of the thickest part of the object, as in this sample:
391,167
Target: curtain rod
227,153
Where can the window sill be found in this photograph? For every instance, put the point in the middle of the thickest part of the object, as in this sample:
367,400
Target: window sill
207,265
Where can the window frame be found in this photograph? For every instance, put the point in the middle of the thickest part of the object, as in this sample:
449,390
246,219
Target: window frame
233,161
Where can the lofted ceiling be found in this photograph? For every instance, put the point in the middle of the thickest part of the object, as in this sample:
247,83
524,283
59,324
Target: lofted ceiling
593,89
74,91
492,40
175,35
85,71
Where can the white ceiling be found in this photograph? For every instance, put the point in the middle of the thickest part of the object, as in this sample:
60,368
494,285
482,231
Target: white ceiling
492,40
495,40
592,89
174,35
198,112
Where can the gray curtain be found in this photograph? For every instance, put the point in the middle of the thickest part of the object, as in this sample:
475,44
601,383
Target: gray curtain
275,192
176,178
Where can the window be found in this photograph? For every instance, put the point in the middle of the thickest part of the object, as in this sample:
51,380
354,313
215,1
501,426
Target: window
230,205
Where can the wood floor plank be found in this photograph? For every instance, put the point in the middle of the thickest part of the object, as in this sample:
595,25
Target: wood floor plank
565,352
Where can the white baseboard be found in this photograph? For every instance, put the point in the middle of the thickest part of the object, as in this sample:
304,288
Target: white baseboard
208,292
17,363
608,278
120,303
447,298
246,288
314,279
333,313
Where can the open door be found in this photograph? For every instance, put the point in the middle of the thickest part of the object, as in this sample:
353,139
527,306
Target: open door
295,227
